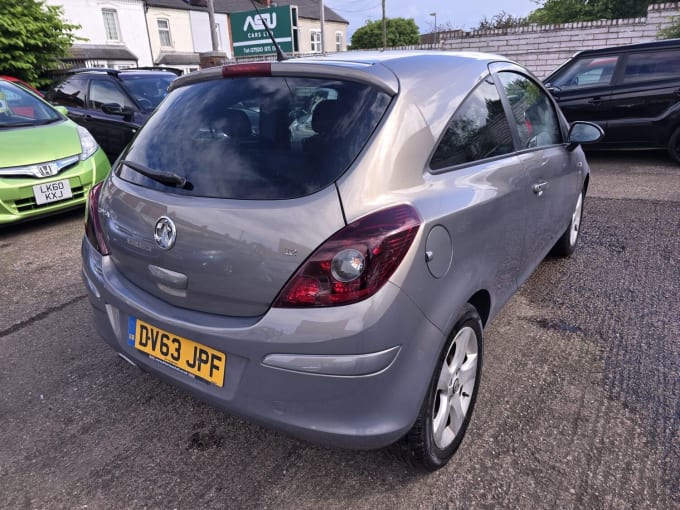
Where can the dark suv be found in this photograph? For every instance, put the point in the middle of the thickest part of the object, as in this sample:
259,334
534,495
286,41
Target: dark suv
111,104
632,92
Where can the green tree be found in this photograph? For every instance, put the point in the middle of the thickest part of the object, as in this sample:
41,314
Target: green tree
500,20
567,11
400,32
33,36
670,32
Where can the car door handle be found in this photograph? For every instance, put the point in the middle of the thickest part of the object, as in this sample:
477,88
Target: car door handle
596,100
539,187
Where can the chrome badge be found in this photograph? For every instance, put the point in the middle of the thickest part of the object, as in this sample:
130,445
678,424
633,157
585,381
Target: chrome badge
165,233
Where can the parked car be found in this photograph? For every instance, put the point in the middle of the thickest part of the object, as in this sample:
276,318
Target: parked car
47,163
630,91
334,283
112,104
22,84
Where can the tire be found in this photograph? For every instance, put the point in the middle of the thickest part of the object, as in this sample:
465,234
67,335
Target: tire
674,145
566,244
446,411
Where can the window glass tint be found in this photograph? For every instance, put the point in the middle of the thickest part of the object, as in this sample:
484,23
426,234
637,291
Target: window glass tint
658,65
70,92
105,92
532,111
148,91
479,129
257,137
586,72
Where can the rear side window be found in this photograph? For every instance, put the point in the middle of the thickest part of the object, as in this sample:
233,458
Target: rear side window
70,92
658,65
257,137
479,129
586,72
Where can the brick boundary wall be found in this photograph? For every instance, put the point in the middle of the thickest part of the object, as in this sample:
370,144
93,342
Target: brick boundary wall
542,48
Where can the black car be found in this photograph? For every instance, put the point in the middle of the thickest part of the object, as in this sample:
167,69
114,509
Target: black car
112,104
632,92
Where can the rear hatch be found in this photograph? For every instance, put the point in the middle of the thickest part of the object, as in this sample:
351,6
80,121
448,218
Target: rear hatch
228,188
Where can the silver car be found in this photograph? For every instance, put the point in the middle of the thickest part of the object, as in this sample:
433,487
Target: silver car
317,244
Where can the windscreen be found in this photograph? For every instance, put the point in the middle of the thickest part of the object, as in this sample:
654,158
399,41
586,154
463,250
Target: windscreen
148,91
255,137
20,108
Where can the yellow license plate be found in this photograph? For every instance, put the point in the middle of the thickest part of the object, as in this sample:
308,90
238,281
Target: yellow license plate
186,355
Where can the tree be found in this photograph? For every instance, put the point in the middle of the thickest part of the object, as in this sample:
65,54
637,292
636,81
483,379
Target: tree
670,32
400,32
500,20
568,11
33,36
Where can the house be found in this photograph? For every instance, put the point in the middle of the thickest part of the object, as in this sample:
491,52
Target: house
172,33
114,33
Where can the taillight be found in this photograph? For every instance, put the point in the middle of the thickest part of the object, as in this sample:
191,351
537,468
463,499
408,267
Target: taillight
355,262
253,69
93,227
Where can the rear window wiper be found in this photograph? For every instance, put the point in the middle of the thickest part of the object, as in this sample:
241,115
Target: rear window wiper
159,175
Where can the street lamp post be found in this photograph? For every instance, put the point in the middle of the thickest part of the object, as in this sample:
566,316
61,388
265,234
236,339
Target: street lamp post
435,26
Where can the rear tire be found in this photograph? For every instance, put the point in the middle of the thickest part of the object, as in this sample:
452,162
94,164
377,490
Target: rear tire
674,145
446,411
566,244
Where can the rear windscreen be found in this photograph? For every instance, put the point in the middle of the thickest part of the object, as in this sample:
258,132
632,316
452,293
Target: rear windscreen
256,137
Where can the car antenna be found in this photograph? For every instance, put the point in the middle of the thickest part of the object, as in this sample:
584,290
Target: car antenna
279,54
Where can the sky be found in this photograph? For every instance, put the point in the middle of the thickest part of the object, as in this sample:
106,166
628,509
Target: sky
458,13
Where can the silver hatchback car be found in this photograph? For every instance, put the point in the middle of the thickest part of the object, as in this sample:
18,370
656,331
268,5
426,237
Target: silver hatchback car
317,244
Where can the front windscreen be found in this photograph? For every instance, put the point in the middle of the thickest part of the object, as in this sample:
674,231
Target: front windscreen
255,137
148,91
20,108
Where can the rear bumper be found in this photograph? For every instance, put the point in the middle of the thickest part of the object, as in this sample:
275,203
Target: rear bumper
352,376
17,202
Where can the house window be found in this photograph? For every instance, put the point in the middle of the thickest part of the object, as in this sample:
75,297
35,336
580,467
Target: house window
316,40
219,36
338,41
164,32
111,25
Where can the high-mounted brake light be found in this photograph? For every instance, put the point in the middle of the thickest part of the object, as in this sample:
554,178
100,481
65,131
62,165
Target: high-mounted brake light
355,262
255,69
93,228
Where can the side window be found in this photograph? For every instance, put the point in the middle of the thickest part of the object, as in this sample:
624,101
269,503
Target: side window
658,65
533,112
479,129
70,92
587,72
105,91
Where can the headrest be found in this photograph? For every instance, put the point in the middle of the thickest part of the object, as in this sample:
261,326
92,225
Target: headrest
236,124
326,115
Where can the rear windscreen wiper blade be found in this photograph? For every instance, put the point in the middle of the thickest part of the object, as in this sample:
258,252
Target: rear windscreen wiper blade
158,175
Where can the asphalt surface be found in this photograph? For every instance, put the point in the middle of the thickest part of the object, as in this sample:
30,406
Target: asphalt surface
579,405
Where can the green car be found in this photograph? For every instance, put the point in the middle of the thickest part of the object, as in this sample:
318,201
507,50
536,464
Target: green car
47,162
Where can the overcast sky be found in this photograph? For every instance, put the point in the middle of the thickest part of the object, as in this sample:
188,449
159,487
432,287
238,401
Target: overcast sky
459,13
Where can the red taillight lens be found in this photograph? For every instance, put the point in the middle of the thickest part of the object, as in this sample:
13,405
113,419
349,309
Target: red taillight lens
254,69
370,248
93,228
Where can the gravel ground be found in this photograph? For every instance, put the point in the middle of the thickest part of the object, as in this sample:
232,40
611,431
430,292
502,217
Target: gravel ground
579,404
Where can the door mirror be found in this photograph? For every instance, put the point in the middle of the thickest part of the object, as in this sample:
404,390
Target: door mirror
61,109
584,132
113,109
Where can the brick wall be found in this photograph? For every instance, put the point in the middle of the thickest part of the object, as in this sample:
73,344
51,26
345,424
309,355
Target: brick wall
541,48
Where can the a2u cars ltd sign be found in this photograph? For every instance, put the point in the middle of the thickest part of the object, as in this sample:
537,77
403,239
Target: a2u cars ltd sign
249,31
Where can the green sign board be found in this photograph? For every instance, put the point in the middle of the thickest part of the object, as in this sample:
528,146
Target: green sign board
249,33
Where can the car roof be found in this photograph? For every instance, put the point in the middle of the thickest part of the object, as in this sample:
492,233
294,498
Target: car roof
392,71
654,45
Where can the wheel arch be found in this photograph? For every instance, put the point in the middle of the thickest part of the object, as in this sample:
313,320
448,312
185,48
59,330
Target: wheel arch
481,300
